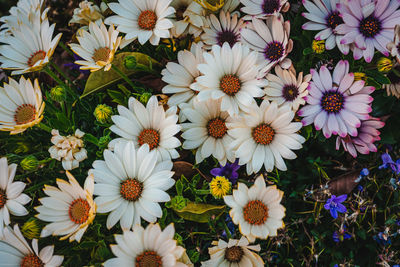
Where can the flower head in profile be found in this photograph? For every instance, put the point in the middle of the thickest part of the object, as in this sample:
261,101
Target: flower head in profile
220,187
393,88
387,162
70,209
394,46
86,12
263,8
335,206
229,170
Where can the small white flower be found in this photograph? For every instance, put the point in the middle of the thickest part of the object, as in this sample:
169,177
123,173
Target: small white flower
86,12
189,18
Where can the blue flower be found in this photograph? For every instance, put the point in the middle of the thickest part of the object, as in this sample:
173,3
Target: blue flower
364,172
231,226
74,66
229,171
383,239
334,205
389,163
341,234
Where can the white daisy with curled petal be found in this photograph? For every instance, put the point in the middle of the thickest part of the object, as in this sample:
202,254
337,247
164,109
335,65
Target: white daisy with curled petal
225,29
263,8
207,131
234,253
285,88
265,135
148,246
148,125
15,251
257,210
12,200
142,19
130,183
97,47
230,74
70,209
189,18
270,40
21,105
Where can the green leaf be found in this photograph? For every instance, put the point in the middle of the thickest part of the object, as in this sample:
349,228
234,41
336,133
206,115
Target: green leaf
91,138
179,187
178,202
101,79
86,245
307,51
198,212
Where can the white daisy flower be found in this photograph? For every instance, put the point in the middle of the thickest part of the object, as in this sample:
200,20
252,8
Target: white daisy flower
270,40
148,246
207,131
189,18
97,47
21,105
70,208
285,88
29,48
226,29
234,253
264,136
130,183
142,19
257,210
263,8
86,12
149,125
230,5
12,200
15,251
230,73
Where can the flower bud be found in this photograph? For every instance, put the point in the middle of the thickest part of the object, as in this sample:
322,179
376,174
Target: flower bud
359,76
130,62
318,46
30,163
58,93
31,229
384,64
103,113
144,98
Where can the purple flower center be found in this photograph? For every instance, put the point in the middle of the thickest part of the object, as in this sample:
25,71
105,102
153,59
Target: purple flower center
271,6
370,26
290,92
274,51
334,19
227,36
332,101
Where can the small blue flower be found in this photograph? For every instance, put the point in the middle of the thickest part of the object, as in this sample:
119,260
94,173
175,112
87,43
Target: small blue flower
231,226
360,188
389,163
341,234
334,205
383,239
229,171
364,172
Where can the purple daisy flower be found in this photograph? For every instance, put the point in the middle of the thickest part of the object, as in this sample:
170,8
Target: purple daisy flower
324,17
229,171
336,103
368,25
334,205
364,141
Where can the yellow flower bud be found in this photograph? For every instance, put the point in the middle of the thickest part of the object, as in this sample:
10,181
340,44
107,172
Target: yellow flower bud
384,64
31,229
30,163
318,46
360,76
103,113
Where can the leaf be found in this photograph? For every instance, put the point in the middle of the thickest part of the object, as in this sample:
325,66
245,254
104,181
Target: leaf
101,79
187,169
198,212
345,183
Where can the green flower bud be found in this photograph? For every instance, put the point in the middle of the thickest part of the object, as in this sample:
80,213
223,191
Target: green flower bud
144,98
21,148
130,62
104,140
103,113
58,93
30,163
31,229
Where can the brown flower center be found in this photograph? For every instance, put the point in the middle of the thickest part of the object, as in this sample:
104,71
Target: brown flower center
255,212
131,189
148,259
147,20
25,114
230,84
216,128
334,19
274,51
79,211
263,134
3,198
35,57
234,254
332,101
290,92
101,54
31,260
150,137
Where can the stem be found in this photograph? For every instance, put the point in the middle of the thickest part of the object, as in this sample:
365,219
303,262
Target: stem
123,75
44,127
57,68
228,233
66,48
54,76
396,72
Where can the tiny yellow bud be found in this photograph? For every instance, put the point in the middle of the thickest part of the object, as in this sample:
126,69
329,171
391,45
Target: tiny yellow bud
103,113
360,76
384,64
58,93
31,229
318,46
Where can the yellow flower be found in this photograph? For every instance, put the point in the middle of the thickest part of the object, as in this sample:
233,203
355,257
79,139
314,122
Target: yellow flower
318,46
212,5
220,186
31,229
384,64
360,76
103,113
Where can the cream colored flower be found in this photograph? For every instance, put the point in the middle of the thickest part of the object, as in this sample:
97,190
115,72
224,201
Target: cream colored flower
394,47
68,149
70,208
86,12
393,88
21,105
189,18
97,47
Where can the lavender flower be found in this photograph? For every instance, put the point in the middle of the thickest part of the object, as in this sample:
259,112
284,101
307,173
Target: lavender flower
229,171
389,163
383,238
334,205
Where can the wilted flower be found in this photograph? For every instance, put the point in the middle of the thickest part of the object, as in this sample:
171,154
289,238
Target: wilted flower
229,171
334,205
86,13
220,186
383,238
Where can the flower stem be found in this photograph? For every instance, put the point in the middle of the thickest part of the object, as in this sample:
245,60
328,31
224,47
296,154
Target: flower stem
44,127
123,75
66,48
57,68
228,233
396,72
59,81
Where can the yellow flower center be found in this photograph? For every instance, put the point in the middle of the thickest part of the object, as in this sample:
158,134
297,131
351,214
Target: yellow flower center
150,137
234,254
101,54
131,189
148,259
263,134
79,211
3,198
147,20
25,114
230,84
216,128
35,57
31,260
255,212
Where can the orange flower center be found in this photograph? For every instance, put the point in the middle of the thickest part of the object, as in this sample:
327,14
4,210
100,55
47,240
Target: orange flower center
255,212
79,211
230,84
101,54
131,189
31,260
148,259
150,137
216,128
234,254
25,114
147,20
35,57
3,198
263,134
